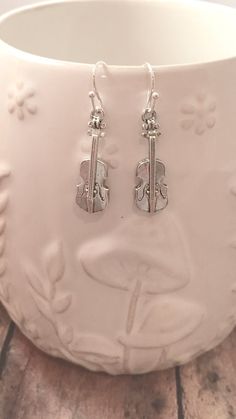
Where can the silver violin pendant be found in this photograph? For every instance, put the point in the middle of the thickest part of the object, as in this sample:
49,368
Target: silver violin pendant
151,191
92,193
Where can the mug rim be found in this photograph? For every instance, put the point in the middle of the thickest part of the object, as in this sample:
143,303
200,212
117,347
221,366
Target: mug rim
44,60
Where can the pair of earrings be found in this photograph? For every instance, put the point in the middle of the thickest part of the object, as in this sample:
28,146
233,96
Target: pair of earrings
151,189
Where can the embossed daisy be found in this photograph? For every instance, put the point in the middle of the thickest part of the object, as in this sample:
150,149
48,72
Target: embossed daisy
106,151
199,113
20,100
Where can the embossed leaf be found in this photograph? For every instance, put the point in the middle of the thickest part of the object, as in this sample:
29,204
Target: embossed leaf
55,263
3,201
4,171
2,225
66,334
98,350
61,304
4,291
35,282
155,253
32,330
2,266
2,245
51,291
166,321
42,305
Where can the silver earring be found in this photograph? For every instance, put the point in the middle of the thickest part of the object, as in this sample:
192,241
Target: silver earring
151,191
93,194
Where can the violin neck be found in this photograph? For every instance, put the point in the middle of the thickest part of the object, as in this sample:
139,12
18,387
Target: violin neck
152,174
92,172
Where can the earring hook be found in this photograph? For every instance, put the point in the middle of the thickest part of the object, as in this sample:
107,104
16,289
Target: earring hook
152,94
95,92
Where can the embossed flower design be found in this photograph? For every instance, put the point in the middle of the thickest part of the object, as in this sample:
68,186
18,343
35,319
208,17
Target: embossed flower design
121,262
106,151
19,100
199,113
143,270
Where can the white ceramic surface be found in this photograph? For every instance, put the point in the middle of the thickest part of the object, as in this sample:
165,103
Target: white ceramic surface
6,5
119,291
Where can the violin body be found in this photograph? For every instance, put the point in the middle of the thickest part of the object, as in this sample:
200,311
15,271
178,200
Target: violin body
142,190
100,195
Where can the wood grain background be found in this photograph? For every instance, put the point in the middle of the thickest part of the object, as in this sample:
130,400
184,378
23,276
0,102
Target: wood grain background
36,386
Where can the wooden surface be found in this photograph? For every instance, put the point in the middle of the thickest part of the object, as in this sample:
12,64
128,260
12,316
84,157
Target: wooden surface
36,386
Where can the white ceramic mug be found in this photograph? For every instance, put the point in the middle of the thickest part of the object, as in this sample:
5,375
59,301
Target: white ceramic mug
120,290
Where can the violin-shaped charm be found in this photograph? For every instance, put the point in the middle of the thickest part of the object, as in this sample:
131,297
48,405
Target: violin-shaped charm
151,191
92,193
